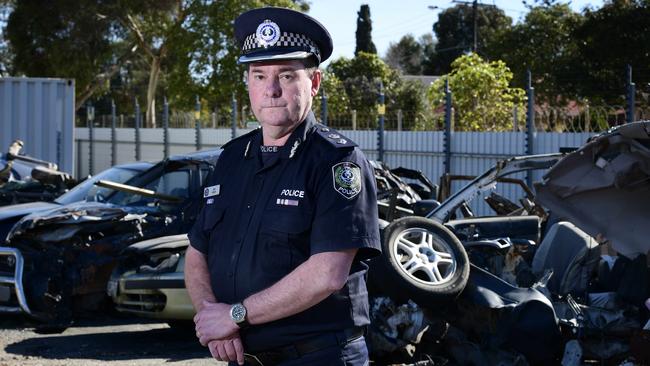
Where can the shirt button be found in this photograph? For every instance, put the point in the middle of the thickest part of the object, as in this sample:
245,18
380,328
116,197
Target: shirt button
248,206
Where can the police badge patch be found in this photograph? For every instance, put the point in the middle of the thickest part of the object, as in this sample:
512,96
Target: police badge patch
347,179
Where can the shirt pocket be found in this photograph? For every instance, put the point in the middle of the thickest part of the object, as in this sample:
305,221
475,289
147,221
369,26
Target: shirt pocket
212,216
214,231
284,236
213,223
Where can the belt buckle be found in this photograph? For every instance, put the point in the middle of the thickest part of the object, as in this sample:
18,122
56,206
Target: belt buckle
254,360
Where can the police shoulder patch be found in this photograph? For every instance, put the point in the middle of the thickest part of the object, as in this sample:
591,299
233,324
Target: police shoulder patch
347,179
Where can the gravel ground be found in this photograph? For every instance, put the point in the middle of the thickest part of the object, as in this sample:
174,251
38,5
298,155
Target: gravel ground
100,342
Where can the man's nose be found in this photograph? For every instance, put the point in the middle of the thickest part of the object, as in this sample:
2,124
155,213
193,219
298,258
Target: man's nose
273,88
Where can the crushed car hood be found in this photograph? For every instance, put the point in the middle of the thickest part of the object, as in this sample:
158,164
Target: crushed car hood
78,213
165,242
23,209
604,188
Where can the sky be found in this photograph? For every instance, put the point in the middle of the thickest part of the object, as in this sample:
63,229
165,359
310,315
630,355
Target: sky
392,19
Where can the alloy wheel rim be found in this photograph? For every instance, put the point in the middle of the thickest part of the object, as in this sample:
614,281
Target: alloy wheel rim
424,256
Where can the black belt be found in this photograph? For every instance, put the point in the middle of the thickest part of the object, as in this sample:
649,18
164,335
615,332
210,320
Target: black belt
301,348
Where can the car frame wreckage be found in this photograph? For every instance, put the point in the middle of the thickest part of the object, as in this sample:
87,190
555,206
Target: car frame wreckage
55,264
86,190
27,179
553,279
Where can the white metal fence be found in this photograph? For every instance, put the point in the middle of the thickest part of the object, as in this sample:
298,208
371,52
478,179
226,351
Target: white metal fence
471,152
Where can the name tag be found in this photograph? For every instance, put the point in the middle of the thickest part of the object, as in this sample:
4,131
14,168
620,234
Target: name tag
211,191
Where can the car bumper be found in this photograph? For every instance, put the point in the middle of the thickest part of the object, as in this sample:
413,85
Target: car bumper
12,283
159,296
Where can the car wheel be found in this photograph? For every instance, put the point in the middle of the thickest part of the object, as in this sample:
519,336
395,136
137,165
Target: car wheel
421,260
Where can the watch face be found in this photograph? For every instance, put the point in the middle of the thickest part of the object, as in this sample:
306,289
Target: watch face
238,313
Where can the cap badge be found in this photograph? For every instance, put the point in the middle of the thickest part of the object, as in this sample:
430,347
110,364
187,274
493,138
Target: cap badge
268,33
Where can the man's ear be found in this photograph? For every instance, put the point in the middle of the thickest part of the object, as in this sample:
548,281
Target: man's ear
315,82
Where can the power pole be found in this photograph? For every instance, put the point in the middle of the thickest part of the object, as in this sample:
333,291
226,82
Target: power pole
475,5
475,16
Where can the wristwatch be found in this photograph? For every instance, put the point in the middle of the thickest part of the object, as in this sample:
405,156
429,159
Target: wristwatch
238,315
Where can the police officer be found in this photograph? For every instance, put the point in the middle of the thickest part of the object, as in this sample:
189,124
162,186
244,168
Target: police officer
276,265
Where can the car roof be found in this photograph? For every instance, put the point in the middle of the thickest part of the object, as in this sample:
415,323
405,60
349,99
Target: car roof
208,156
136,165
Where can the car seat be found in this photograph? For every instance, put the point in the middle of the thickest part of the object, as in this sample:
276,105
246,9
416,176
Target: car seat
571,254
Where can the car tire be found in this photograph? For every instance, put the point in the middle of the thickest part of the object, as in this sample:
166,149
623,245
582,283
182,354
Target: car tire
422,260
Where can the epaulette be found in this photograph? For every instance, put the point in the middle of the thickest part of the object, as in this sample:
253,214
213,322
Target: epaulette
242,137
334,137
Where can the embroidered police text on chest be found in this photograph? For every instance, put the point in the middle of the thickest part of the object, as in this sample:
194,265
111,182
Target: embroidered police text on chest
292,193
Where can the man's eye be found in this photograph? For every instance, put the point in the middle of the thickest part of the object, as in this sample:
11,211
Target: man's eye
258,77
286,77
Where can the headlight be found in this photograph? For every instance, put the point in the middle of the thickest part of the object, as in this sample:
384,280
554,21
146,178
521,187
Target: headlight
111,288
11,261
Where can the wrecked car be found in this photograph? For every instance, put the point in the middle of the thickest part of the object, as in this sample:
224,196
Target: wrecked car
567,268
600,198
27,179
150,280
84,191
56,264
442,277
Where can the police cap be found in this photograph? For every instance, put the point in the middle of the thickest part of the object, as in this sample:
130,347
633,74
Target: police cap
272,33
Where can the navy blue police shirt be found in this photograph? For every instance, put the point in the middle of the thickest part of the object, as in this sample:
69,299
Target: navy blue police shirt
261,220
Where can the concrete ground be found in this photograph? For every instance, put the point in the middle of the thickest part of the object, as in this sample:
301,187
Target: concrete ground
100,342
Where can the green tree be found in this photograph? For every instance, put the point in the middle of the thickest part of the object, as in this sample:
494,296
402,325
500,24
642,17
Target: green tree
67,39
337,99
364,31
187,47
413,57
153,25
545,44
164,29
608,40
5,55
406,55
455,31
482,96
204,61
428,54
361,76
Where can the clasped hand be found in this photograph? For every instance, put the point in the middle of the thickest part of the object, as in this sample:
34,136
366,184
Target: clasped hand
216,330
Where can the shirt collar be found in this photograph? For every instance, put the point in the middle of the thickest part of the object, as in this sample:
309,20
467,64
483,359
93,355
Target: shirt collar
291,147
298,136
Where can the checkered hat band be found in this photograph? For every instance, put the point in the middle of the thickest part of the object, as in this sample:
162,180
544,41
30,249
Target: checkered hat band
287,39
